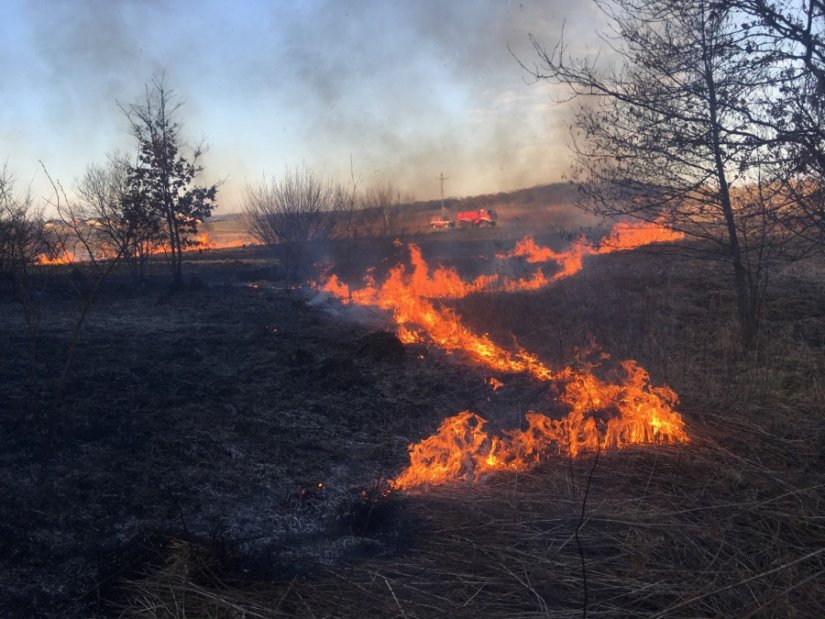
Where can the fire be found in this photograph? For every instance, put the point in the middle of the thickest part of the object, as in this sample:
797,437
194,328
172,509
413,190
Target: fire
602,414
60,257
442,283
204,241
623,236
200,242
80,253
463,450
495,383
631,235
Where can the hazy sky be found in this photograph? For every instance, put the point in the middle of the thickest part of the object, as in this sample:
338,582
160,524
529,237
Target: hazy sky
408,89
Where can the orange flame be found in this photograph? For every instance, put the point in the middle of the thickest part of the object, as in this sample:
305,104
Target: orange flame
60,257
602,414
632,235
623,236
201,242
463,450
495,383
205,241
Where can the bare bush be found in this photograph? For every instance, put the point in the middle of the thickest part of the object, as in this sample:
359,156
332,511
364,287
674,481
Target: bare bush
113,209
22,231
386,200
79,242
23,238
288,212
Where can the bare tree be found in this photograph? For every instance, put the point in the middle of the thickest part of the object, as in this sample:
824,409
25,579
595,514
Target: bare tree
666,131
288,212
117,215
789,36
22,231
385,200
163,176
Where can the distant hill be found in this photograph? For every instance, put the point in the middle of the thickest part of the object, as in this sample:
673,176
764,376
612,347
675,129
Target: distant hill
540,195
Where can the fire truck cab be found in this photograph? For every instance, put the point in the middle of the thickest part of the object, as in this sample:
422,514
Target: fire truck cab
477,218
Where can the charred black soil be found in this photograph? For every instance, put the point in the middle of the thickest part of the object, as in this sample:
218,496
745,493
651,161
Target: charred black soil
230,411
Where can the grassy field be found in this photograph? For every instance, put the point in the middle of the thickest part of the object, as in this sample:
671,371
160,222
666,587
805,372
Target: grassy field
223,450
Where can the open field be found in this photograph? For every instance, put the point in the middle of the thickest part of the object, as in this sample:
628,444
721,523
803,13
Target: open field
224,450
519,212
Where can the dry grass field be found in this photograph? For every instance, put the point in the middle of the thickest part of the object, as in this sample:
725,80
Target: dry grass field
224,450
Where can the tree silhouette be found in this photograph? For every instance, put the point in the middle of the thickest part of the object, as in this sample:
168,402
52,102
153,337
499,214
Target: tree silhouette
162,176
669,129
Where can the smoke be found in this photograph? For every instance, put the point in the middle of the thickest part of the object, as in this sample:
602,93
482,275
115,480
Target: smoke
408,90
432,88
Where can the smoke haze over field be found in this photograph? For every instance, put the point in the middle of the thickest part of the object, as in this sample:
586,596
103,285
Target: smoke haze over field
407,89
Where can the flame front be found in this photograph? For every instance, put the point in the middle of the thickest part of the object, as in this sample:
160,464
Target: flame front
623,236
80,253
603,415
463,450
58,257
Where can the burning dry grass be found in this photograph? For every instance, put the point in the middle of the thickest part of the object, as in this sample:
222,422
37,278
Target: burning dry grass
729,525
267,396
603,416
76,252
660,531
633,411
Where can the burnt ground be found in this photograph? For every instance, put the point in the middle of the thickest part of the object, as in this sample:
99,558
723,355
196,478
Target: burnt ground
230,411
262,425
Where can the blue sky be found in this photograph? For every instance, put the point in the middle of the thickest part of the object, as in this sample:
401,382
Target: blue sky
408,89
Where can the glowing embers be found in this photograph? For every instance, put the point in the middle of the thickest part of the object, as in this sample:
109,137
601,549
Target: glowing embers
603,416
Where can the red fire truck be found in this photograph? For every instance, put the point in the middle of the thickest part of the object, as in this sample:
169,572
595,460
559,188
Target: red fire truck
477,218
439,222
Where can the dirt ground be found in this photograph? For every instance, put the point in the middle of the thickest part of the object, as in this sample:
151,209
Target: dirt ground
264,423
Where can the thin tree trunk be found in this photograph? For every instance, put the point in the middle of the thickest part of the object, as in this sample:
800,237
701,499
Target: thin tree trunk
174,245
178,265
745,301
